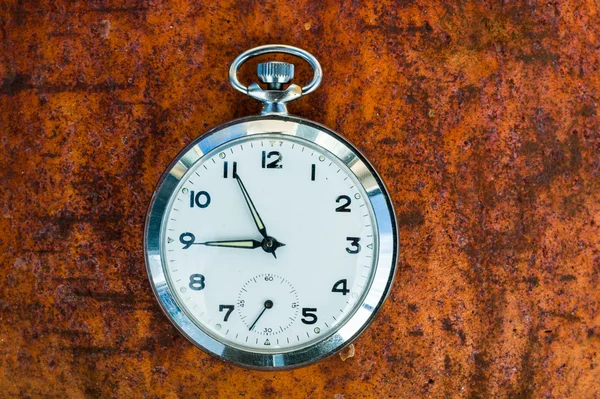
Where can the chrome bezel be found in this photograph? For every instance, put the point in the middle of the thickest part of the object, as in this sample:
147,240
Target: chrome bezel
383,214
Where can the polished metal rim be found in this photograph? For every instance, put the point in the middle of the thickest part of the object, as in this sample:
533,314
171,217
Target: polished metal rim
383,213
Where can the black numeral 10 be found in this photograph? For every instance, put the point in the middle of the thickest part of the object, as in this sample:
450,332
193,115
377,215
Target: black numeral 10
200,199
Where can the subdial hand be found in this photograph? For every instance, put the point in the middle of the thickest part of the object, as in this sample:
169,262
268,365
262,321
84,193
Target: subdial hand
268,305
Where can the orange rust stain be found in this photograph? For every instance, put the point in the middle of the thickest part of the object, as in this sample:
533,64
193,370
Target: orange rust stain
481,116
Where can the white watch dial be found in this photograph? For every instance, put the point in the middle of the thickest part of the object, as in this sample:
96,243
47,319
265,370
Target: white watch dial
269,243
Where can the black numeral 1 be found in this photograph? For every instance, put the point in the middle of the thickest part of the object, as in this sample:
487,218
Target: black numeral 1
313,170
226,166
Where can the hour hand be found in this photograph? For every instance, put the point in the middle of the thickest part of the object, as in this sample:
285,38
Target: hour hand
248,244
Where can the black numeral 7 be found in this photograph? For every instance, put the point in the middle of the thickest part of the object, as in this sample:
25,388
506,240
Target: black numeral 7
229,310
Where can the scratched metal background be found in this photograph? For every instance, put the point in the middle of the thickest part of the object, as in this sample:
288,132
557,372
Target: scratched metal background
482,117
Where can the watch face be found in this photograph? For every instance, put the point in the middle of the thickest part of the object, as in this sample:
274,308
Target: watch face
270,242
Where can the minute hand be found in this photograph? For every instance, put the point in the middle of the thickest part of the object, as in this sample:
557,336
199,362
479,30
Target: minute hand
257,220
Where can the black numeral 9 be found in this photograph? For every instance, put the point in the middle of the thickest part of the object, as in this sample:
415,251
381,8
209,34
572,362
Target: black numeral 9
187,239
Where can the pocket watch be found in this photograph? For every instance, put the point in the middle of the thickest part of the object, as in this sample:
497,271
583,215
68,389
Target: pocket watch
271,241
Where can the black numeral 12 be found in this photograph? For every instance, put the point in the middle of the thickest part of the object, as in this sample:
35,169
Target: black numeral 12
271,164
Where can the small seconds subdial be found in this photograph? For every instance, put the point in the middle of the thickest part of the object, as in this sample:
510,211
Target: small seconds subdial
268,304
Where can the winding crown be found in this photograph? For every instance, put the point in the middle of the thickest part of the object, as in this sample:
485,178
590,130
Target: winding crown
275,72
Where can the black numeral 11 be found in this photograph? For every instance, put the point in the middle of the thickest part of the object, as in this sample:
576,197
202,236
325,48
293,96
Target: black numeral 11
226,167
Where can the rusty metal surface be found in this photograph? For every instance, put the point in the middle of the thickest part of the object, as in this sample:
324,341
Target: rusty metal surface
481,116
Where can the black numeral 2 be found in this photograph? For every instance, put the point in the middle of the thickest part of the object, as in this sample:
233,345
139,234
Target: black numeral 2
310,315
201,200
234,171
272,164
346,201
229,310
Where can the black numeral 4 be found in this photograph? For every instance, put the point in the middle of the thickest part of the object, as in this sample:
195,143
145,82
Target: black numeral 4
341,286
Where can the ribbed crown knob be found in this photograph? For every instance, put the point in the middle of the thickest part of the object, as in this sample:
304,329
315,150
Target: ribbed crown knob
275,73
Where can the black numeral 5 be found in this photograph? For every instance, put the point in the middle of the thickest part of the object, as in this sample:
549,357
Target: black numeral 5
310,315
